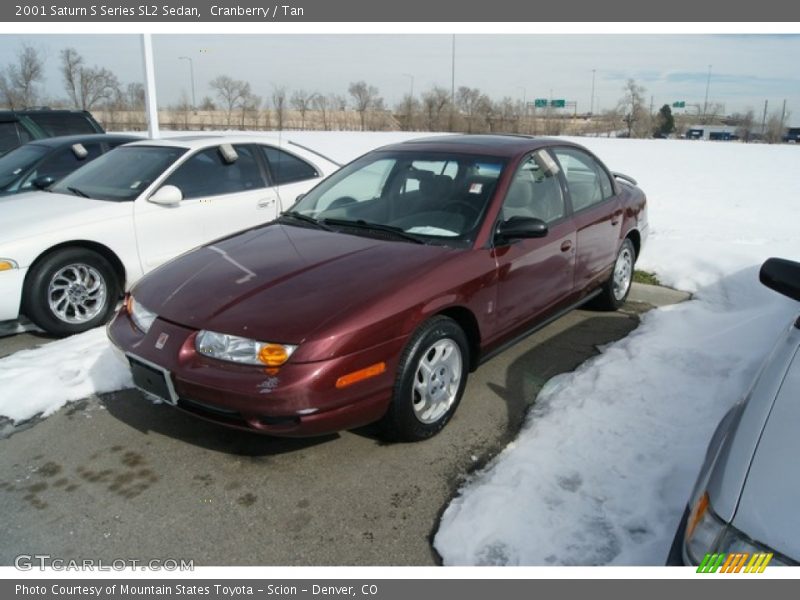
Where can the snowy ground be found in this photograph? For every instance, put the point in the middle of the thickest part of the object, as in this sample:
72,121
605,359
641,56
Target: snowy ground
602,469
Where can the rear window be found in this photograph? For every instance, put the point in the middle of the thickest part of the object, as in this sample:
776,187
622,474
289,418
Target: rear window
287,168
62,123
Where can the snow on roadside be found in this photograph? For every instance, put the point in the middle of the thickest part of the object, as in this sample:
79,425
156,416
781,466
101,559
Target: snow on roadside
41,380
602,469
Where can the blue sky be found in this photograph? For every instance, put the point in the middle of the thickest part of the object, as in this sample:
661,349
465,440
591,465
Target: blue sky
746,70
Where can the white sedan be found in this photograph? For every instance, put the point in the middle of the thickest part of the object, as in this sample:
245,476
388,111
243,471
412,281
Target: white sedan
67,254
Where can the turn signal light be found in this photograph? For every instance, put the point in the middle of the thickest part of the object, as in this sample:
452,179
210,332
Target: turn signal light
697,514
360,375
273,355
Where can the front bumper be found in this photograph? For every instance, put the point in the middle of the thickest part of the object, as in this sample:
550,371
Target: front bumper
11,282
298,399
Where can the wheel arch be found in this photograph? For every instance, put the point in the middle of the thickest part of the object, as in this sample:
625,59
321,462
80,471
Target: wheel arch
636,239
98,248
465,319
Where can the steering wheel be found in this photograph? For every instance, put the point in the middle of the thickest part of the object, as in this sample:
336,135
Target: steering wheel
465,209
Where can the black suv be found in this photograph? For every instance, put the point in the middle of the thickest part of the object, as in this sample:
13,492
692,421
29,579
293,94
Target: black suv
18,127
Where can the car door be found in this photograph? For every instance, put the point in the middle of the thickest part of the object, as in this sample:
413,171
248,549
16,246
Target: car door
232,194
597,212
290,174
534,275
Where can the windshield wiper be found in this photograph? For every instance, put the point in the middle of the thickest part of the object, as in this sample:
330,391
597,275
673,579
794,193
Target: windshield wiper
293,214
78,192
361,224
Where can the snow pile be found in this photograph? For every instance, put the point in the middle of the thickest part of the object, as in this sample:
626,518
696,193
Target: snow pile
41,380
602,470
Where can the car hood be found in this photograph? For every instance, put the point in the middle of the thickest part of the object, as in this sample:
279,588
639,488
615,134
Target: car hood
768,507
282,283
35,213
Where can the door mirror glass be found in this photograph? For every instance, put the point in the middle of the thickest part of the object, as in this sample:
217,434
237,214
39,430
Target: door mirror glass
167,195
781,275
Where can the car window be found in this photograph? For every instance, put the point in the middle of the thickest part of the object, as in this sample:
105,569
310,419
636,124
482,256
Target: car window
587,181
18,161
287,168
535,191
207,174
55,124
61,163
441,195
121,174
12,135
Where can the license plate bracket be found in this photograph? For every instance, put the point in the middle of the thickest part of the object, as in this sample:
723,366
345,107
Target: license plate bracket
152,379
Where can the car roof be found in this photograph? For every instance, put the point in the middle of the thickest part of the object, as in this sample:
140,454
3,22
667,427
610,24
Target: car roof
194,142
69,140
502,145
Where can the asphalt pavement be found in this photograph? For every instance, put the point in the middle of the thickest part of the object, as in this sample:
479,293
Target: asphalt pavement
117,477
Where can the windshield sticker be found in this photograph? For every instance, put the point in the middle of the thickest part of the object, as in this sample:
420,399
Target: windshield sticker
476,188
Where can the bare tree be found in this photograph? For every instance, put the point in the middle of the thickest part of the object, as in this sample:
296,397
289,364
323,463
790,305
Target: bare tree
632,106
302,101
434,104
207,104
776,127
86,86
365,97
134,96
744,124
473,105
230,93
407,110
249,105
279,104
18,80
322,104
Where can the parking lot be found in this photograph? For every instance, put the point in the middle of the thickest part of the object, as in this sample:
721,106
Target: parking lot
118,477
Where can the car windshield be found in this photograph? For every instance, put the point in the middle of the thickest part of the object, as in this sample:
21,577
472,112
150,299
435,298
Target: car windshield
121,174
435,196
17,162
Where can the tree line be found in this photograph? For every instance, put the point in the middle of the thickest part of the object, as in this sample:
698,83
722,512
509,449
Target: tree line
465,109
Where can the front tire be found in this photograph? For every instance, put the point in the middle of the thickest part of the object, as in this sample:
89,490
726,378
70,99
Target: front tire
431,378
615,291
71,291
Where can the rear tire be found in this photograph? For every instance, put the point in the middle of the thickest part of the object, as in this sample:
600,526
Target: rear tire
71,291
431,378
615,291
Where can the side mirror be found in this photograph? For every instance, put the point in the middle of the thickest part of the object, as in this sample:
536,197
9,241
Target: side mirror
43,182
167,195
781,275
521,228
80,151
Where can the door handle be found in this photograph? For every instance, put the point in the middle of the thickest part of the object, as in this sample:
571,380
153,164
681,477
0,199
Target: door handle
265,202
566,246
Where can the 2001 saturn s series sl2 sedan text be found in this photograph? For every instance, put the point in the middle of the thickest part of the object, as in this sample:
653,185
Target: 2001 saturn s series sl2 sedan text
375,295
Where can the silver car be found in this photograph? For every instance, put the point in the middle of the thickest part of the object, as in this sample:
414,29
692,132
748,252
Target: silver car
746,496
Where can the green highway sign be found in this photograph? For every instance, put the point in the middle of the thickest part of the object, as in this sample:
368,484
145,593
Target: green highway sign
558,103
680,104
540,103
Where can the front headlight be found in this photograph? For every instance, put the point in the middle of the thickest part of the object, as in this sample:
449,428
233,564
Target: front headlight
242,350
702,530
141,317
708,534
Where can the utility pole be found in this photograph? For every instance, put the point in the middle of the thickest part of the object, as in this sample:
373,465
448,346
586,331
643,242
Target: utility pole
591,104
705,102
783,112
453,83
764,119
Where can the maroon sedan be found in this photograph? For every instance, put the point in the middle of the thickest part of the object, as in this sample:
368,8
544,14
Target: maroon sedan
375,295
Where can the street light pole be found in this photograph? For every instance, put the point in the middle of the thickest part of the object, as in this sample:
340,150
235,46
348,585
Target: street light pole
705,102
591,105
191,74
411,90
